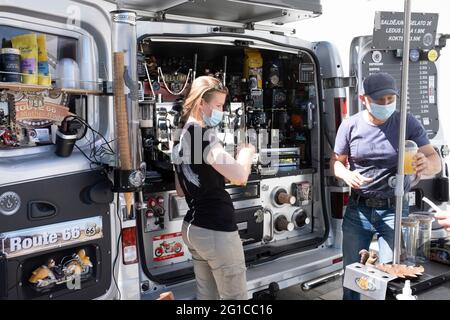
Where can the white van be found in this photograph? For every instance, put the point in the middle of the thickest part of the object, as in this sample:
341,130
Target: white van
57,211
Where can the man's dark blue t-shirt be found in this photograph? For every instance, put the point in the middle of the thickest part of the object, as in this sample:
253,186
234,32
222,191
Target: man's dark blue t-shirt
373,150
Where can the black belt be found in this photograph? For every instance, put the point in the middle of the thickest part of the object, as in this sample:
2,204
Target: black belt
374,202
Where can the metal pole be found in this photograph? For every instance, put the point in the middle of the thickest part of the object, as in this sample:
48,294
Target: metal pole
225,60
399,192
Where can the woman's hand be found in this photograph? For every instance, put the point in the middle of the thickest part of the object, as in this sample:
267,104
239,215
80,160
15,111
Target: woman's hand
443,218
236,170
245,154
251,148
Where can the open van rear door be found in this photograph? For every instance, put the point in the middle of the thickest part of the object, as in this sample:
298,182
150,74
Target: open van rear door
56,219
248,14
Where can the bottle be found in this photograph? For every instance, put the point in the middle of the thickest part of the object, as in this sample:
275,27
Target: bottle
68,73
10,63
406,292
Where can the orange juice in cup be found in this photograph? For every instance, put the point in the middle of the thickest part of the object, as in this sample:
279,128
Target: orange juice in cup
410,150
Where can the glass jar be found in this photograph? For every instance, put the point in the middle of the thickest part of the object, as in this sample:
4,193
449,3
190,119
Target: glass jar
409,239
423,236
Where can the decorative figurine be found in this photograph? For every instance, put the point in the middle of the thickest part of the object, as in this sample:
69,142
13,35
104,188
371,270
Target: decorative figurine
46,276
43,272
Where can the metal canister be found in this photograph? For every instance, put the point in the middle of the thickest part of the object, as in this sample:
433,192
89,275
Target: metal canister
10,65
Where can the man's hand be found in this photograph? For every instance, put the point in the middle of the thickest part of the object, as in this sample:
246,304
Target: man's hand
443,219
420,163
351,178
427,161
355,179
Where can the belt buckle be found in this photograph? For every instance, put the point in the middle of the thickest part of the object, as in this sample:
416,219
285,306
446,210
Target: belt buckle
375,203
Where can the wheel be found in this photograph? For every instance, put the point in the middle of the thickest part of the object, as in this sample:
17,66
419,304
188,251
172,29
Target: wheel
158,252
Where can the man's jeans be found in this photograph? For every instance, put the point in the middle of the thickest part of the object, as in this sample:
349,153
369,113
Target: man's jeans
359,226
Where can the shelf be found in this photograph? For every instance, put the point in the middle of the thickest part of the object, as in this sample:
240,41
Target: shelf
78,91
33,88
21,87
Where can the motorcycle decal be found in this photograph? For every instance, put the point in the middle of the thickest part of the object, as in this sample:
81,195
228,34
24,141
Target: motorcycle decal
167,246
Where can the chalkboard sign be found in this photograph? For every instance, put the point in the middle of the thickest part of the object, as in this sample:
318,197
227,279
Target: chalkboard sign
422,98
388,30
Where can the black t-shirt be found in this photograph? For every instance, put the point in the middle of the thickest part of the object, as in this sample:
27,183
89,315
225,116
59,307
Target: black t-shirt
210,206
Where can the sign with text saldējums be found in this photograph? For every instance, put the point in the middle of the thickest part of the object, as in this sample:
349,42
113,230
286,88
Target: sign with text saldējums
388,30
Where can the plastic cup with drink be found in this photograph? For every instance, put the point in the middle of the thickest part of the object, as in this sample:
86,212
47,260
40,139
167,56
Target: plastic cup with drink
410,151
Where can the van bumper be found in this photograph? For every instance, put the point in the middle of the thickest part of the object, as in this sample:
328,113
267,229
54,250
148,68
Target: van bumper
286,271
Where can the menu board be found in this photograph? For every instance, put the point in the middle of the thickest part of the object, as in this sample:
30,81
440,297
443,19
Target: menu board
422,97
388,30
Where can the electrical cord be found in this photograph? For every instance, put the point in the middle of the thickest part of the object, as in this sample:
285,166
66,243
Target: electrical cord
106,142
167,87
119,238
149,80
96,152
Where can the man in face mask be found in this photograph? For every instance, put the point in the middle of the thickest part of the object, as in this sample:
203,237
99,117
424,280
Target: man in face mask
380,97
365,157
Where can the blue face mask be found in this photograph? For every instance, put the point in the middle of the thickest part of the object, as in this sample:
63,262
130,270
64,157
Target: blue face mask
215,119
382,112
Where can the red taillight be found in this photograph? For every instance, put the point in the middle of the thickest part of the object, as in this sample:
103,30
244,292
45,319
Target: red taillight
337,260
340,110
344,108
129,245
339,200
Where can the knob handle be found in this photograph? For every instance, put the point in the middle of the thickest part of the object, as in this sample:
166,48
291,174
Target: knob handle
285,198
302,219
282,224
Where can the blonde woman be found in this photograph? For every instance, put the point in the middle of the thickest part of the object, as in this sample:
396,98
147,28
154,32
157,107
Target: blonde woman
201,167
